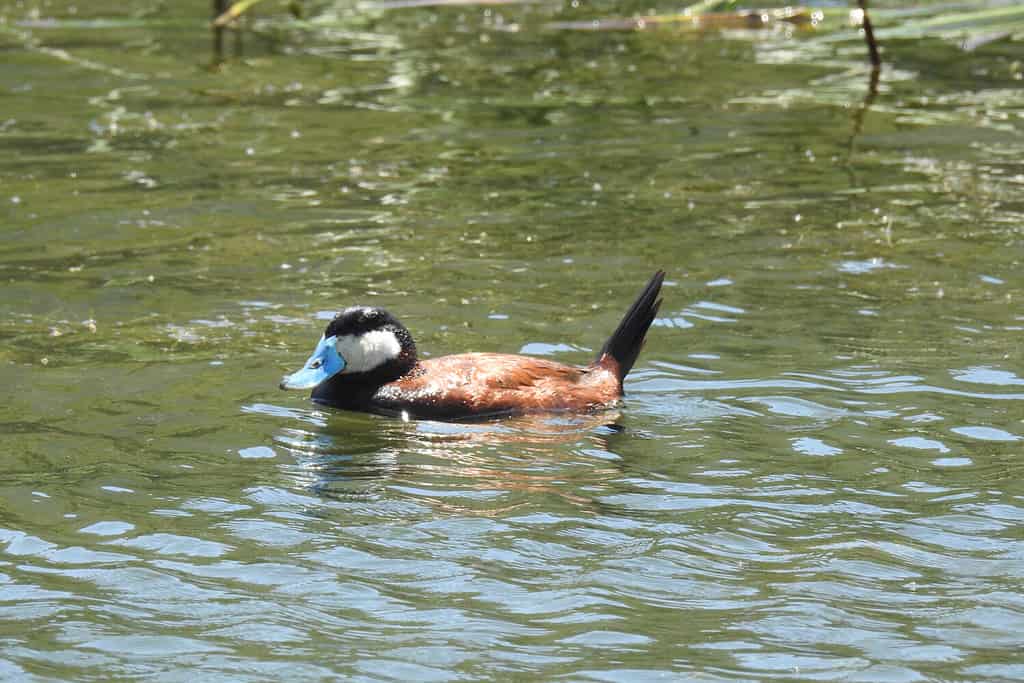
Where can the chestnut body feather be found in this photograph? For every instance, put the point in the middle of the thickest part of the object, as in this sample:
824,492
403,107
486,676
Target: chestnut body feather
482,384
367,361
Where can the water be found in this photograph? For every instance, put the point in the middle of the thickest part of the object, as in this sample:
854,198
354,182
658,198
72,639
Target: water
816,475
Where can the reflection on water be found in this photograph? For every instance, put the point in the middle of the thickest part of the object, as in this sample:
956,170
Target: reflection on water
816,471
451,465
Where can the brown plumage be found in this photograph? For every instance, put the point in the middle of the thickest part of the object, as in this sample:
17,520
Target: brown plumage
497,383
367,361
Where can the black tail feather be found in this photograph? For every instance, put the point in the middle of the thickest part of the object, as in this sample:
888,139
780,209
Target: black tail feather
628,338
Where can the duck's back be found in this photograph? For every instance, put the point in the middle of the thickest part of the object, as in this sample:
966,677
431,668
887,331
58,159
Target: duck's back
479,384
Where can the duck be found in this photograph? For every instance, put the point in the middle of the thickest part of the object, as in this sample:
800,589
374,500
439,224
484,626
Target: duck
366,361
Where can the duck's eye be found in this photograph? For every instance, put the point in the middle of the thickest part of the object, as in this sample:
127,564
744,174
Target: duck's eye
316,363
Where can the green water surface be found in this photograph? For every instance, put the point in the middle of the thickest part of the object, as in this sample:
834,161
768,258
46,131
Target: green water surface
816,475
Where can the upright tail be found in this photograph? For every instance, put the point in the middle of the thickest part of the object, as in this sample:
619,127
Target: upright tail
620,351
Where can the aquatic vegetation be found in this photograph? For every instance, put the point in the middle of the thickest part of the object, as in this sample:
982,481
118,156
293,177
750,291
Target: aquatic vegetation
974,22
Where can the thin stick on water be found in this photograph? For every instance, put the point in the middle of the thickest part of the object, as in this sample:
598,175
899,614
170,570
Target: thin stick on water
869,36
219,7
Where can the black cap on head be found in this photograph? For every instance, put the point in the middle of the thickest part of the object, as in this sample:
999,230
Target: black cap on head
358,320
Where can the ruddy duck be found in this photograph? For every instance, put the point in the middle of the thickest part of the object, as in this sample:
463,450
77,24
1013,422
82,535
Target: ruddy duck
366,361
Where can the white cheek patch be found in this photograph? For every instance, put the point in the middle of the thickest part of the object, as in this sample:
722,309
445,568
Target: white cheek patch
368,351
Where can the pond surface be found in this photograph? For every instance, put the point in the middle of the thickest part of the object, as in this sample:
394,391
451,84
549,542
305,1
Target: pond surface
817,473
